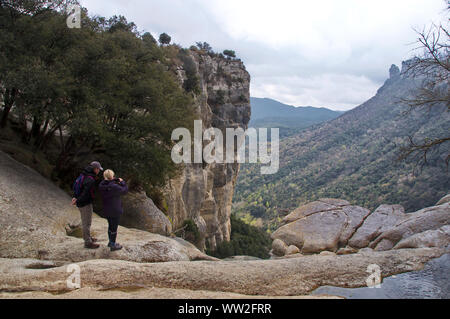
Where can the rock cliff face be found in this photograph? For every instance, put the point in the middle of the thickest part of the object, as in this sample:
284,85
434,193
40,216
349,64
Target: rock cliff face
204,192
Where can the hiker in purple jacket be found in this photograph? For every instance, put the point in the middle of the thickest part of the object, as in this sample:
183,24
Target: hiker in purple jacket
111,189
83,197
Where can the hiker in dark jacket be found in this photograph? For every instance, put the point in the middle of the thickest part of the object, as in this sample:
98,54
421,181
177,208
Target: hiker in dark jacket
84,202
111,189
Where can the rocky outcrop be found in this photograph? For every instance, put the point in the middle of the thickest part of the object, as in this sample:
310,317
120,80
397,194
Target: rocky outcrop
376,223
430,238
394,71
445,199
325,204
323,225
279,247
336,226
431,218
139,246
140,212
203,192
37,221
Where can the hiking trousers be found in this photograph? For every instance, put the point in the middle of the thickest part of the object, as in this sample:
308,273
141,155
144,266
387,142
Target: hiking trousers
86,220
113,225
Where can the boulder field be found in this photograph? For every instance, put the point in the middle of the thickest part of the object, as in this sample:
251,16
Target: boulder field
337,226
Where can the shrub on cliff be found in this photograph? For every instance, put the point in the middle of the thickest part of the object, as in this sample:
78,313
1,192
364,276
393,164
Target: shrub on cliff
204,46
164,38
191,232
192,82
229,53
245,240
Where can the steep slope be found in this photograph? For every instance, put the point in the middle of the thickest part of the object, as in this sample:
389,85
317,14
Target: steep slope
354,157
270,113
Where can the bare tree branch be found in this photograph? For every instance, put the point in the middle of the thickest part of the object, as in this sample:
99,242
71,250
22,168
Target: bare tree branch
432,65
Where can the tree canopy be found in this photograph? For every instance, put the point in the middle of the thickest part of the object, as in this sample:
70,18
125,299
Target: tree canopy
164,38
102,91
229,53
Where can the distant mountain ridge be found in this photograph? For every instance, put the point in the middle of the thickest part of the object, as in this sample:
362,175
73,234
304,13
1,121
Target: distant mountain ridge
353,157
290,119
265,107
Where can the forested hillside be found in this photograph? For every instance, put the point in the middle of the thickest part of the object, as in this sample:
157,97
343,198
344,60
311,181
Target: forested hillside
289,119
353,157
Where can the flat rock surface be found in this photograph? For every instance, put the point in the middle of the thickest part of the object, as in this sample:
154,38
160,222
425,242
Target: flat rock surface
149,293
277,277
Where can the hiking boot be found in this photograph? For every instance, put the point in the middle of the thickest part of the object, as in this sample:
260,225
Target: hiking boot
91,246
115,246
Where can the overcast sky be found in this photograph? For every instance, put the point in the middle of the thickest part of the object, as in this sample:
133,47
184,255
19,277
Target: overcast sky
328,53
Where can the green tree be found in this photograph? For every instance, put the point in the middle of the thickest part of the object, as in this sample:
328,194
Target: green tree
164,38
192,82
147,37
204,46
245,240
229,53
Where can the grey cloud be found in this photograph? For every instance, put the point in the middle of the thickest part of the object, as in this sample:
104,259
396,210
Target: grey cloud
343,76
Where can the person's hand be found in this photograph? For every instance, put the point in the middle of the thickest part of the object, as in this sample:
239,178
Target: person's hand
74,201
120,180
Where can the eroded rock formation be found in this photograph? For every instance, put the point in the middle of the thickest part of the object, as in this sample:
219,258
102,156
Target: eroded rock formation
140,212
336,226
204,192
